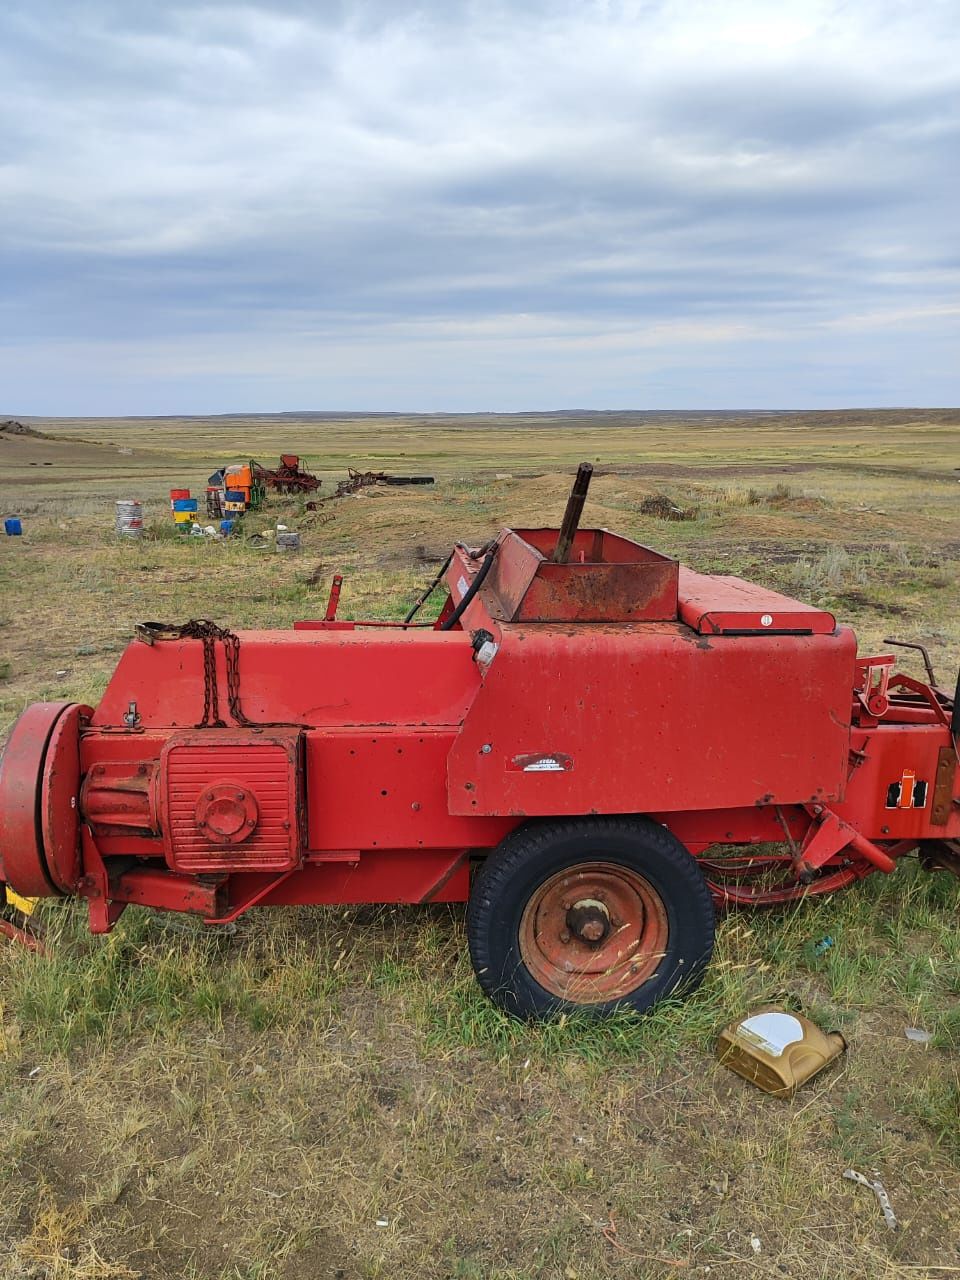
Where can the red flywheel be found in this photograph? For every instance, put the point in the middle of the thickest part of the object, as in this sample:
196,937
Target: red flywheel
39,792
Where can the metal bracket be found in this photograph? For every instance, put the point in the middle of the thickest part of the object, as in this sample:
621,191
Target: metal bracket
943,787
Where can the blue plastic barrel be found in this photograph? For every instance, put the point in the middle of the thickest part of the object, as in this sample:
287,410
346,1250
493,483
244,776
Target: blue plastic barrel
185,504
13,527
226,527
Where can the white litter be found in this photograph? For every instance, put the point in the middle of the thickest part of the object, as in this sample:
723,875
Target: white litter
917,1036
880,1191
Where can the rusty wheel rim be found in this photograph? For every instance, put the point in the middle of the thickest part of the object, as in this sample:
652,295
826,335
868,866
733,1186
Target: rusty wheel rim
593,932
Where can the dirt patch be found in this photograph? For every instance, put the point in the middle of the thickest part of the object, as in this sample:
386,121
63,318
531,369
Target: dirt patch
860,600
664,508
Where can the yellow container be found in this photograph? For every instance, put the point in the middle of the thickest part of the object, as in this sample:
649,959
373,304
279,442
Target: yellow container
776,1050
234,506
184,517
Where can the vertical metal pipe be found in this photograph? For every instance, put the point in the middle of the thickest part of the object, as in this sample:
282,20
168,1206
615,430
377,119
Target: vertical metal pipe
571,517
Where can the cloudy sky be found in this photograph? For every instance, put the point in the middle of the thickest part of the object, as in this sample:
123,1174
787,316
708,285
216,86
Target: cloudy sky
208,207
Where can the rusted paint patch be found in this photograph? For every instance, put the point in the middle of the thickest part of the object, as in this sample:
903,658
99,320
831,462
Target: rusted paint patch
943,787
542,762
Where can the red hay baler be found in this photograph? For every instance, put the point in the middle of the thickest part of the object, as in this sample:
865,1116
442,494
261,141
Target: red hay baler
592,746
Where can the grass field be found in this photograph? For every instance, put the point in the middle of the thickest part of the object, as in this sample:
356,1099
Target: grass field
323,1092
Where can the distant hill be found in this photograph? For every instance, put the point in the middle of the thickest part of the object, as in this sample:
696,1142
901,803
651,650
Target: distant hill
13,428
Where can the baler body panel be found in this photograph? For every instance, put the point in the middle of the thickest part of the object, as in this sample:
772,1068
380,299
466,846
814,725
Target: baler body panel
720,604
304,678
652,718
387,789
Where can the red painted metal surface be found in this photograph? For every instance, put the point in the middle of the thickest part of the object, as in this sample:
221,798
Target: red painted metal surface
22,853
232,800
654,718
313,678
121,798
387,788
23,937
383,875
372,762
167,891
59,799
716,605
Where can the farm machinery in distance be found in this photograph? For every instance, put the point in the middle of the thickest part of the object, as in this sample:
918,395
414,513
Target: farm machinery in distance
592,745
288,477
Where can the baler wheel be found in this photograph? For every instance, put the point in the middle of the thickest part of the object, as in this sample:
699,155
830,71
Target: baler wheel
589,915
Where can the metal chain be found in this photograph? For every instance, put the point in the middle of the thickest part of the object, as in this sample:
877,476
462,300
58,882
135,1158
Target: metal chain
208,633
211,694
231,651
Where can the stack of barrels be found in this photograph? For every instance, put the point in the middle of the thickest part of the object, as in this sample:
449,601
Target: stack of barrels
183,509
237,484
215,496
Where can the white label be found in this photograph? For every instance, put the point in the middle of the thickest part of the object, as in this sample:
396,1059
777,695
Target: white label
766,620
546,765
772,1032
462,586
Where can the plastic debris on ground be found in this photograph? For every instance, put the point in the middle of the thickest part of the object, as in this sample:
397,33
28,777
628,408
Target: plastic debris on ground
917,1035
880,1191
776,1050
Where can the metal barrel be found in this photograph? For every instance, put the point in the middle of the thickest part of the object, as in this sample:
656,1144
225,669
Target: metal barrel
571,517
129,518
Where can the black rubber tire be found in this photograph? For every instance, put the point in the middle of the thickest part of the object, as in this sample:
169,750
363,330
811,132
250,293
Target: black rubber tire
537,851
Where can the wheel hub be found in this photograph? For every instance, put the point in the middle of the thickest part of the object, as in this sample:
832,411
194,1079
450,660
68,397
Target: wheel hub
589,921
594,932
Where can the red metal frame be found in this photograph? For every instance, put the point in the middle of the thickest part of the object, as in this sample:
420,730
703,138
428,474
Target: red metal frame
375,760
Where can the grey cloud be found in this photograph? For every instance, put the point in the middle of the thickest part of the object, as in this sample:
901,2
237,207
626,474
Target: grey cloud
745,190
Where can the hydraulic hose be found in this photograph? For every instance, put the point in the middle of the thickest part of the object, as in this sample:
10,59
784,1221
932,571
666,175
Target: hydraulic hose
471,591
425,596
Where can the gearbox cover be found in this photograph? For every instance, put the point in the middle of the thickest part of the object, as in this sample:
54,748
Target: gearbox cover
232,800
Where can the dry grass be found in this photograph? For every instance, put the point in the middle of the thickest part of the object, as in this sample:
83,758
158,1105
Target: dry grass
254,1103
